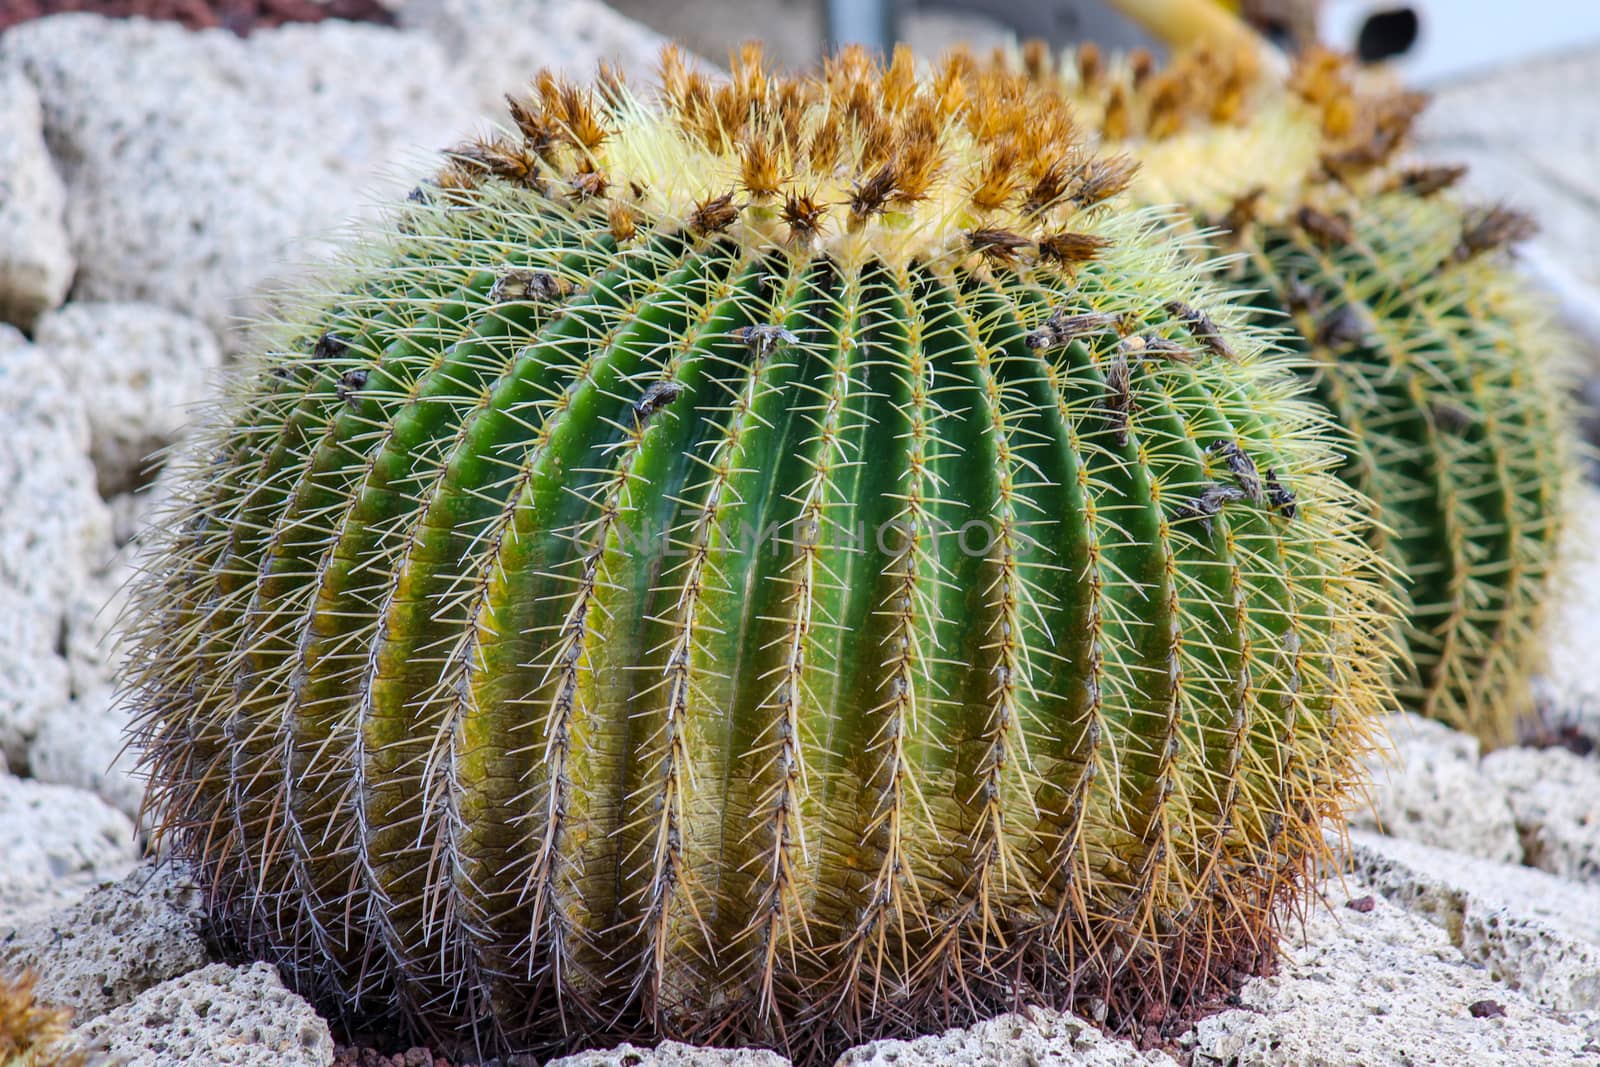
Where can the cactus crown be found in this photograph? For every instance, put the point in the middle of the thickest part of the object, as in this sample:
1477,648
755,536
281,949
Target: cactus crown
775,565
861,162
1442,363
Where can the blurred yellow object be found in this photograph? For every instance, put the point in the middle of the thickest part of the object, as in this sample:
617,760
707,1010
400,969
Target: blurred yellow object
1187,22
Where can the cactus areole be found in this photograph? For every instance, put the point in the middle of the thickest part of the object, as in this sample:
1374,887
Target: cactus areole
777,562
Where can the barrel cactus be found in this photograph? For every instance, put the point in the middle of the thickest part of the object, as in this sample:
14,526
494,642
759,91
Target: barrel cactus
768,562
1420,338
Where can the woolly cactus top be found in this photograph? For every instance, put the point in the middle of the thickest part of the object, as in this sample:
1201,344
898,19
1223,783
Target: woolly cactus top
860,161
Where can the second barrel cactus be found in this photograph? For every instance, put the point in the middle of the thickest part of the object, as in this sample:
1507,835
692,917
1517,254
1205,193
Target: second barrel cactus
786,562
1429,349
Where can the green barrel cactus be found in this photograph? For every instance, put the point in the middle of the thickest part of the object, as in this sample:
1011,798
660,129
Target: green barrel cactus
1428,348
761,563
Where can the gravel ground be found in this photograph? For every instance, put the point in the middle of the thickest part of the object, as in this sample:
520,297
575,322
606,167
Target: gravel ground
137,225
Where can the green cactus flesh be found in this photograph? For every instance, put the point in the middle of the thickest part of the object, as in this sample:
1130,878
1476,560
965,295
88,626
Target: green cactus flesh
1425,345
611,610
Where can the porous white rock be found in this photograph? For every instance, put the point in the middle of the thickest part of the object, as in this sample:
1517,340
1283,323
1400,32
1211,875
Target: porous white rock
1570,687
1427,786
35,257
1038,1038
140,372
57,842
1555,796
672,1054
54,529
84,745
218,1016
54,532
1379,987
91,616
196,163
1528,929
122,938
33,677
498,45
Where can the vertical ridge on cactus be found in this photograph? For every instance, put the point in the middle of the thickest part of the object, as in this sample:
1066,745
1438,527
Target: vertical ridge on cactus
763,565
1444,367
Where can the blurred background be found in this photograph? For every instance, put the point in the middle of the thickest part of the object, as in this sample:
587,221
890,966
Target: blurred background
1429,40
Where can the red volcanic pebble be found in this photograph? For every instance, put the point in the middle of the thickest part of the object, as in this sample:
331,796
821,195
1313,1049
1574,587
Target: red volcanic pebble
239,16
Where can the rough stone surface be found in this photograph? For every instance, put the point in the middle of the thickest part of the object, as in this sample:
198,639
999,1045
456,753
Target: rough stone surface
35,257
54,532
1555,796
84,746
1570,689
56,843
671,1054
1427,786
498,45
1534,932
140,371
1380,987
216,1016
122,938
54,529
33,678
1040,1038
196,164
90,616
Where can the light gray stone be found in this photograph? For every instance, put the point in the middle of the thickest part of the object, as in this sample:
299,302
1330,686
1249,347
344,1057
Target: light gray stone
35,257
119,940
1570,688
671,1054
54,532
85,745
54,529
218,1016
1039,1038
57,842
197,164
140,372
498,45
1379,987
90,619
1555,796
1528,929
33,677
1427,786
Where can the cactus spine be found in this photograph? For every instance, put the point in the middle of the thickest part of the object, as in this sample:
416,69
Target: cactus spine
765,565
33,1034
1432,353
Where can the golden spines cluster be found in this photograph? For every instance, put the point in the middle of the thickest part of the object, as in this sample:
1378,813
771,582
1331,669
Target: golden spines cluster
863,160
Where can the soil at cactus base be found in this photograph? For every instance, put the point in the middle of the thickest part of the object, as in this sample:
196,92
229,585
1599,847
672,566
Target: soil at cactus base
239,16
347,1056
